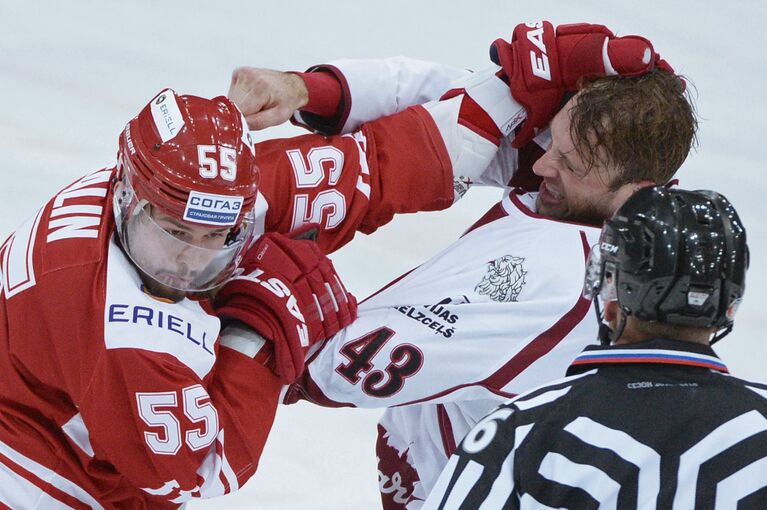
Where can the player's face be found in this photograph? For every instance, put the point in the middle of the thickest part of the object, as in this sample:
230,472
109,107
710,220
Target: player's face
212,238
174,265
570,190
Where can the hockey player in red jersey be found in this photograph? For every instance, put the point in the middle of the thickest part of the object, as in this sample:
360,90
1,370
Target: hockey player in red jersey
499,311
117,387
85,422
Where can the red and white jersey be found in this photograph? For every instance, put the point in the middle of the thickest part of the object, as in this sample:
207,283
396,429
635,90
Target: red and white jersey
498,312
387,85
355,181
111,398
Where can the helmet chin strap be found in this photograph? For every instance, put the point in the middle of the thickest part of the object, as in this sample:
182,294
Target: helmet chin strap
720,334
605,334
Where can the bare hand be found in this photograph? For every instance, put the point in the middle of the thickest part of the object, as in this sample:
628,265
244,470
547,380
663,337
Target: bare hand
266,97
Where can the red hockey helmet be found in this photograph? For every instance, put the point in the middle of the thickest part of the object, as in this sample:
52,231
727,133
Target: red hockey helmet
192,159
178,145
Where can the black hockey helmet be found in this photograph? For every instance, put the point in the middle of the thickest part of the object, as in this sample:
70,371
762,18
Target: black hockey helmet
672,256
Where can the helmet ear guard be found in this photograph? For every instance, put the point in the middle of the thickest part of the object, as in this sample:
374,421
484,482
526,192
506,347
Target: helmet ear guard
680,258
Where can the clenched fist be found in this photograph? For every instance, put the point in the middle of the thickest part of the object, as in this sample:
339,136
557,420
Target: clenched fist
266,97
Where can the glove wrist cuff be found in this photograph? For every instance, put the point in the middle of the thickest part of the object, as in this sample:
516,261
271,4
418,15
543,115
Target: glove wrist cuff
242,339
493,97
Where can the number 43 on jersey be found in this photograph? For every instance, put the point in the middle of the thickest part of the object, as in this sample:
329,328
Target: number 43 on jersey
405,360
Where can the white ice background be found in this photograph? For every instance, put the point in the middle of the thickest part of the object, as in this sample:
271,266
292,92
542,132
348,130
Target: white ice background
73,73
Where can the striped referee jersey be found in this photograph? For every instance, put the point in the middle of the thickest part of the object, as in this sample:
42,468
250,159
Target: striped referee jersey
658,424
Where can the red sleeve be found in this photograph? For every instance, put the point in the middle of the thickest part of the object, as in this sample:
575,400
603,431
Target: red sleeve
173,435
329,100
325,95
398,164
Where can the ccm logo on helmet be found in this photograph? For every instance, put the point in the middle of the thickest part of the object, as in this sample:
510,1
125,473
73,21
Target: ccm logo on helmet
212,209
540,64
609,248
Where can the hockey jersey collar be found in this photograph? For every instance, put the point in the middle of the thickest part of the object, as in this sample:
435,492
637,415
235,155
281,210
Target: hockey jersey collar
657,351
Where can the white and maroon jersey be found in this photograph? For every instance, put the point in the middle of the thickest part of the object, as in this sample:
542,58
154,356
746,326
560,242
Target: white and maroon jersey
388,85
411,341
498,312
372,89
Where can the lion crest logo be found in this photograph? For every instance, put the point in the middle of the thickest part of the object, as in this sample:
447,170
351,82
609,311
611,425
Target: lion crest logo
504,279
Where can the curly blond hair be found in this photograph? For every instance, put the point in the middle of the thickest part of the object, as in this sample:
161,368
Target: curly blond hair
644,126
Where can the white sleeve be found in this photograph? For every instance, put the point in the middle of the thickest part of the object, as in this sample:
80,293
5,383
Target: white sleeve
376,88
372,89
505,164
242,339
471,150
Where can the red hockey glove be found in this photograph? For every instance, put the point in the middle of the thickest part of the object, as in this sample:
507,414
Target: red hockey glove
288,292
542,65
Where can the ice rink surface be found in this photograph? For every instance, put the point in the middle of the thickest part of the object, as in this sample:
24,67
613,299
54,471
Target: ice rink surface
73,73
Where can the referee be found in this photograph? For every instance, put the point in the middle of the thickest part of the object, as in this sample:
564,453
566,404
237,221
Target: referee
652,418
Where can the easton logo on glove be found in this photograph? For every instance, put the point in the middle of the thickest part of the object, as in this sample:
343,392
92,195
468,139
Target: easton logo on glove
281,291
288,292
541,64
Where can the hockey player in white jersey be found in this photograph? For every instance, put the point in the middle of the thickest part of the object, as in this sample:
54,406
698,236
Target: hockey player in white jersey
681,432
500,311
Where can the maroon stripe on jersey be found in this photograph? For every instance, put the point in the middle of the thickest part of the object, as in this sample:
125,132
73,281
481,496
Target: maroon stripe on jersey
478,131
330,124
396,476
346,96
308,390
344,108
495,212
481,123
388,285
456,388
63,497
445,430
546,341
